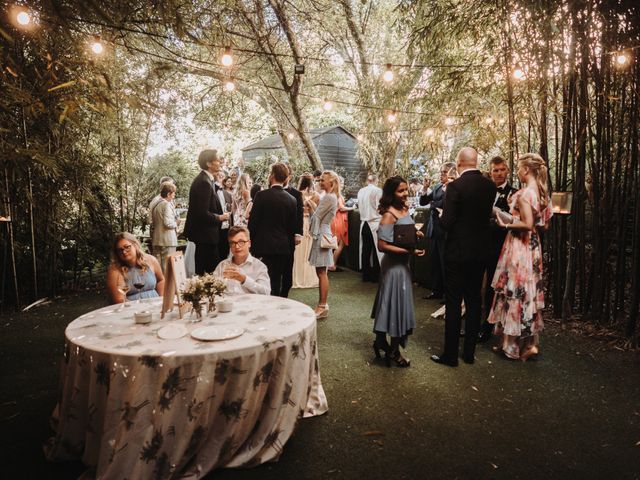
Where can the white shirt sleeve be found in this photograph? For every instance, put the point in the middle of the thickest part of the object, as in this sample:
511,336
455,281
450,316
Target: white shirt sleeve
257,280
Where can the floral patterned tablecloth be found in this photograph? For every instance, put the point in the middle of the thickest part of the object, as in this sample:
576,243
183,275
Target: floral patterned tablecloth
135,406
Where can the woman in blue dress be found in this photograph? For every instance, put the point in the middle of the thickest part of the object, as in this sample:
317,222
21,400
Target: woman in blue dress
132,272
393,307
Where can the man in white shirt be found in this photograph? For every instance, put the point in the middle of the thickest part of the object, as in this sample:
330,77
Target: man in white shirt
243,273
368,200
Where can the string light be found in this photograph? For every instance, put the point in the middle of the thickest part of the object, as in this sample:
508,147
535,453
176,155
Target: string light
392,116
488,120
449,121
229,85
227,59
387,76
96,45
23,18
429,132
621,59
290,135
328,105
518,73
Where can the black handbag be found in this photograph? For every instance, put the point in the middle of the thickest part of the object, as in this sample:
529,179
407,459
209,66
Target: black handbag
404,236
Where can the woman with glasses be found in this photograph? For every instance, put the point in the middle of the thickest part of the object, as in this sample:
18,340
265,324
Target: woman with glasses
132,273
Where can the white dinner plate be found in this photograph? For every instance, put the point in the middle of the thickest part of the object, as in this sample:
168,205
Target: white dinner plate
172,332
216,333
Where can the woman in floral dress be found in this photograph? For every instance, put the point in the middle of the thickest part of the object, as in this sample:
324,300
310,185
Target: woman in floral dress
519,298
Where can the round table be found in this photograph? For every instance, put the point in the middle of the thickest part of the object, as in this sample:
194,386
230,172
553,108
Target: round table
133,405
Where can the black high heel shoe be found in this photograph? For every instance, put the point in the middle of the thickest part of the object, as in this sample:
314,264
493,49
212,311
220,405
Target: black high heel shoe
398,359
385,347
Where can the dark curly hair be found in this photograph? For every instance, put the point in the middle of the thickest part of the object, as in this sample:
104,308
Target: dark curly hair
388,198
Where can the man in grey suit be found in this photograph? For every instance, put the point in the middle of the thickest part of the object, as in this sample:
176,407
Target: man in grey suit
434,231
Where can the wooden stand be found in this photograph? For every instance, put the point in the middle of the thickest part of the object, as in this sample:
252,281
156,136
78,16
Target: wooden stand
175,277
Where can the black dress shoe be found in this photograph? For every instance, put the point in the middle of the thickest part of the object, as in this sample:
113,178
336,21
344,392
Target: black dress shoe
432,296
444,361
484,337
470,359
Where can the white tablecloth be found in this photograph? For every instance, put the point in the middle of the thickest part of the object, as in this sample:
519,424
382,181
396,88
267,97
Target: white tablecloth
135,406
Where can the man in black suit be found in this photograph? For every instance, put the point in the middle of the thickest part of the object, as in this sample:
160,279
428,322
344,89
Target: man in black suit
272,224
204,215
434,231
467,210
287,279
499,171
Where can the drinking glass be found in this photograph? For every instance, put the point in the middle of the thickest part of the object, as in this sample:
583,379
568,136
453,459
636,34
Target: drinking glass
124,288
138,283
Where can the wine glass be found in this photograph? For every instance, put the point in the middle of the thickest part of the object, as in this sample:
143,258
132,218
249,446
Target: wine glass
138,283
124,288
419,226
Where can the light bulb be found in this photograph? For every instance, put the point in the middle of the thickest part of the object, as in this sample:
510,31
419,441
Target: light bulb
449,121
488,120
337,61
23,18
229,86
290,135
392,117
328,106
387,76
227,59
621,59
429,132
97,47
518,73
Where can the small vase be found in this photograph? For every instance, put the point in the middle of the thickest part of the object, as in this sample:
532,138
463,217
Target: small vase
197,312
212,309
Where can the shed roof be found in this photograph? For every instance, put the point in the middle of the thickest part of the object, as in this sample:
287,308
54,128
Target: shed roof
274,142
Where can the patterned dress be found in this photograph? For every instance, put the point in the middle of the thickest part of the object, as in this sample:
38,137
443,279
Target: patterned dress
518,284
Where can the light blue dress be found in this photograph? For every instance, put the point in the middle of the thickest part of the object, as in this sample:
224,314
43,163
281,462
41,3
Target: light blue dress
319,223
149,278
393,307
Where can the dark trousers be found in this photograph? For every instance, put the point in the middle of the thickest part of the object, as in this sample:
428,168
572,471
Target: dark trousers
369,258
206,257
463,282
437,265
223,246
277,265
287,277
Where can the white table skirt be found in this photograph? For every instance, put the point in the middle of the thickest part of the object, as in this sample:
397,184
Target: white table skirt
138,407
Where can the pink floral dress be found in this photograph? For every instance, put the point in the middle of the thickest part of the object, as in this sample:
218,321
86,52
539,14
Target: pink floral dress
519,298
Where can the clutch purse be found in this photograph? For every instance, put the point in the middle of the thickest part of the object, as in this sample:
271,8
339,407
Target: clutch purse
328,241
404,236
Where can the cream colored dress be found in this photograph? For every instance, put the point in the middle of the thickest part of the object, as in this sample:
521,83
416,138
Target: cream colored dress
304,274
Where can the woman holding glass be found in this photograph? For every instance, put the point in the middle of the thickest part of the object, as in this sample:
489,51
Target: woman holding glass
132,274
393,307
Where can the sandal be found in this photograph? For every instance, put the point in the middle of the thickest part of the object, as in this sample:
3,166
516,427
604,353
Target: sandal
529,353
399,360
324,313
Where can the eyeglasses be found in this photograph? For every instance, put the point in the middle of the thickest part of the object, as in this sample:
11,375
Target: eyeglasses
239,243
124,249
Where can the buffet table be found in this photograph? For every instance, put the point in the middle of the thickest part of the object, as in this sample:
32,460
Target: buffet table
134,405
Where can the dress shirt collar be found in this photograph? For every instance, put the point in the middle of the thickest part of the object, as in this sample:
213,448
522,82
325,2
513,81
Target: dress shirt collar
503,186
279,185
209,174
248,261
469,170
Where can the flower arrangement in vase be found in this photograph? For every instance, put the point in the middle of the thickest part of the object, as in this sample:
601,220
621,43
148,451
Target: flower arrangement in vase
213,286
193,291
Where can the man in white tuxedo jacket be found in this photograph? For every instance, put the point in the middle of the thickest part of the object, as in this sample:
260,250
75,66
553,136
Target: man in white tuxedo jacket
370,256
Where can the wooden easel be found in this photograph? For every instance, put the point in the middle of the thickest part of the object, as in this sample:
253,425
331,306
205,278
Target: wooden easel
175,277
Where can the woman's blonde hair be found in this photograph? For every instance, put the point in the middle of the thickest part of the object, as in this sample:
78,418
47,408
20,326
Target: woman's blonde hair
135,244
536,164
335,180
242,184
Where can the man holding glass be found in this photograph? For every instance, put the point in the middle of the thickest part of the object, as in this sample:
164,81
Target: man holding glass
243,273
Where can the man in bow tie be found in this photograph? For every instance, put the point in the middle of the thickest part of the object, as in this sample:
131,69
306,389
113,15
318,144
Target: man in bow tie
499,171
205,216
